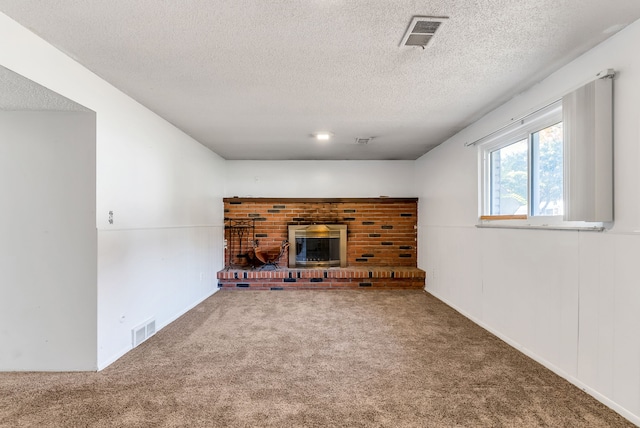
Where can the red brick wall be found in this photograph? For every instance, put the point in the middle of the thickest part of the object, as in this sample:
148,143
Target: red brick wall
380,231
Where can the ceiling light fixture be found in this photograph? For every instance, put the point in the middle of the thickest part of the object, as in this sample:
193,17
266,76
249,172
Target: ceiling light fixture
421,30
322,136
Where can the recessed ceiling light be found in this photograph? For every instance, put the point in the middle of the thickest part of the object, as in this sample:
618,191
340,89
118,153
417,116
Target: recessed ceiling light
322,136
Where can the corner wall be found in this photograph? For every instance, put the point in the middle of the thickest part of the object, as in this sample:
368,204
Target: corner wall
48,248
569,299
159,257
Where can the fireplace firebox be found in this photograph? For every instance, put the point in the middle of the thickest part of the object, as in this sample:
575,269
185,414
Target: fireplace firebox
318,245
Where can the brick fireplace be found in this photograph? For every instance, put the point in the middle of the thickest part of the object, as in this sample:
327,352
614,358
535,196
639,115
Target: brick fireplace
381,238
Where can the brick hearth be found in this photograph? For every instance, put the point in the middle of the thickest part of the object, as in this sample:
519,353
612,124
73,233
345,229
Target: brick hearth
400,277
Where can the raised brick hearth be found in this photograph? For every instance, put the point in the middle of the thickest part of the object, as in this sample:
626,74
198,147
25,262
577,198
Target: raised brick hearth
381,242
400,277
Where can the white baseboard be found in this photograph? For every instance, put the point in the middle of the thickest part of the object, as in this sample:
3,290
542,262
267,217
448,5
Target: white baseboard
633,418
193,305
104,364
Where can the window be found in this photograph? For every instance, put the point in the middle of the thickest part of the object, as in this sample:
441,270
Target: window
523,169
508,174
528,170
530,176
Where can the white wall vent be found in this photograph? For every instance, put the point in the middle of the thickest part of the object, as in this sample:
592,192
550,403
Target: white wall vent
363,140
421,30
142,332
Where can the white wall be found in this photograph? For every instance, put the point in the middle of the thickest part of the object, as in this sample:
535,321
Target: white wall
569,299
320,179
159,257
48,248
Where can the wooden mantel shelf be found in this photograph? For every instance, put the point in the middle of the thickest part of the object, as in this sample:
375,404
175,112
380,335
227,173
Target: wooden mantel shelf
380,200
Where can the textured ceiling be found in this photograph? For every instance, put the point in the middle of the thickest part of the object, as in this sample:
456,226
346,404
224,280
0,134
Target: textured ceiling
253,79
20,93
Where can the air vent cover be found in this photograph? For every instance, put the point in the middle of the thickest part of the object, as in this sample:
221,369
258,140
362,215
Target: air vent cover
363,140
421,30
143,332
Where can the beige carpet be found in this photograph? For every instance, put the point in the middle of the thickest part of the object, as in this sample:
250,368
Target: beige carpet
309,359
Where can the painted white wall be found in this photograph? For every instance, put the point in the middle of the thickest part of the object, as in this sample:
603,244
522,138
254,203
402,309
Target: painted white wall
320,179
48,249
159,257
569,299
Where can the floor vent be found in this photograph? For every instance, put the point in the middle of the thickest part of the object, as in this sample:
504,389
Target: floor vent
143,332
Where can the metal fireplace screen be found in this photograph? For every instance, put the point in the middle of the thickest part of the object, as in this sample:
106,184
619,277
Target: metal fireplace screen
318,245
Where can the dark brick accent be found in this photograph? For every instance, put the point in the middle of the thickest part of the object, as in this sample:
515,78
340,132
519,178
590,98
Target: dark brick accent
372,224
242,285
253,215
289,280
393,274
244,275
325,274
405,255
362,260
365,284
406,215
298,274
235,275
316,279
220,285
290,274
226,210
370,274
368,255
276,288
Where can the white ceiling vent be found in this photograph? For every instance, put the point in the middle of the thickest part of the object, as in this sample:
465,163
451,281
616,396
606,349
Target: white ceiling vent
363,140
421,30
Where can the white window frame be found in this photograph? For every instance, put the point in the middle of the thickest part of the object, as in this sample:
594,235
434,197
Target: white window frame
548,116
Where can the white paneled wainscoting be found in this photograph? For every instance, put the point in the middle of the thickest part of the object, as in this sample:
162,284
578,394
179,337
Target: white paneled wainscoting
566,299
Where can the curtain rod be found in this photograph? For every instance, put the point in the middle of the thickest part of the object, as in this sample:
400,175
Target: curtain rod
605,74
520,119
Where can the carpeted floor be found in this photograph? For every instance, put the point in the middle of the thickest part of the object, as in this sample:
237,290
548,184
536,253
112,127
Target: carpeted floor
309,359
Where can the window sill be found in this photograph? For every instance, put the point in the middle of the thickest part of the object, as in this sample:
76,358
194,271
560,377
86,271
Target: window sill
520,224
